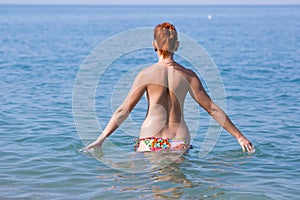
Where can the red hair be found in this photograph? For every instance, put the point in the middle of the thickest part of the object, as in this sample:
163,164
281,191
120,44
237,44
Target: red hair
165,35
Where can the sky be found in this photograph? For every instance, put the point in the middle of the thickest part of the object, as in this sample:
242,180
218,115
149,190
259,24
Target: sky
152,2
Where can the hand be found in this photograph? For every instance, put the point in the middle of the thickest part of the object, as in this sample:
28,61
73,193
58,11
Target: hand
246,144
95,145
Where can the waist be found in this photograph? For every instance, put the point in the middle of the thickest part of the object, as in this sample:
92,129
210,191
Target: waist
158,144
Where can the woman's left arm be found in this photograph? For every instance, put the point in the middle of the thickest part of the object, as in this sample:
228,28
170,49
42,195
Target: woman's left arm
137,90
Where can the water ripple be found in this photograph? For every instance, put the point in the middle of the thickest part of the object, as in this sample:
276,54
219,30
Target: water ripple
41,48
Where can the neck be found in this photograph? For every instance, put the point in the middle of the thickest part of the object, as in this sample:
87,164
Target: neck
165,60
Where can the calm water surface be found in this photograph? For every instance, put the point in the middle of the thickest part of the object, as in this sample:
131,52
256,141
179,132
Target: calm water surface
41,49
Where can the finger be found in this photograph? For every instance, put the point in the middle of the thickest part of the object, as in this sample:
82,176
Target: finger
91,145
250,148
243,148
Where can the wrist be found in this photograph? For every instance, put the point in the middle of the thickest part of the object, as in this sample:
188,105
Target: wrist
102,137
241,138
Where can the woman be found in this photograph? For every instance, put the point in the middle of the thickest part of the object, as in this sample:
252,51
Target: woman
166,84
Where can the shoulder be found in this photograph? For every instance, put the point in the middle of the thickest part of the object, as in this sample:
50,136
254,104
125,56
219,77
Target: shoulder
192,78
189,74
148,72
143,75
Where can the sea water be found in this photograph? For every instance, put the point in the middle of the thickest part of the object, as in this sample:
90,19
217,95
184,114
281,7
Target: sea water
256,50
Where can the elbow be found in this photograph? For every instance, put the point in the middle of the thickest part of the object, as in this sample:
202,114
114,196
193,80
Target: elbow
120,115
213,110
217,114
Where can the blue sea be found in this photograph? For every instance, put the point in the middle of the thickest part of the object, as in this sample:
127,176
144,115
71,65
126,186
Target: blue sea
256,50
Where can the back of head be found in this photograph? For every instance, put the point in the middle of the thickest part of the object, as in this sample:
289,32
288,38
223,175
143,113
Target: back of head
165,36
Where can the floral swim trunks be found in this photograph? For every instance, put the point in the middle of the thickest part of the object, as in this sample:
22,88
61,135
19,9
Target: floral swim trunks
158,144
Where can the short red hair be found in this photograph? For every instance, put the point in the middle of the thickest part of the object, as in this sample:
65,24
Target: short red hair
165,35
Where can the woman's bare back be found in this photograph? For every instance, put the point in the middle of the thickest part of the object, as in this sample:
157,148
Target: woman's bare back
167,84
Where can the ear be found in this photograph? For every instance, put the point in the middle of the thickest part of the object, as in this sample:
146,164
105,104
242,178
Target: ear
176,45
154,45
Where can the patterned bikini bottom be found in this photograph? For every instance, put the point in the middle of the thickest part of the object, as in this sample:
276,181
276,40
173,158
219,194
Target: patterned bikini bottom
158,144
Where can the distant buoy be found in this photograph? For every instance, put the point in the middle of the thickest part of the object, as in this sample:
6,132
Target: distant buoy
209,16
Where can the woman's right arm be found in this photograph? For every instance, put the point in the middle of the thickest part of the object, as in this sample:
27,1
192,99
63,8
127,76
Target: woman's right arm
201,97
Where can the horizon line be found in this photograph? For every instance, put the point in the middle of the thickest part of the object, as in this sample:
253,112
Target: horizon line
146,4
